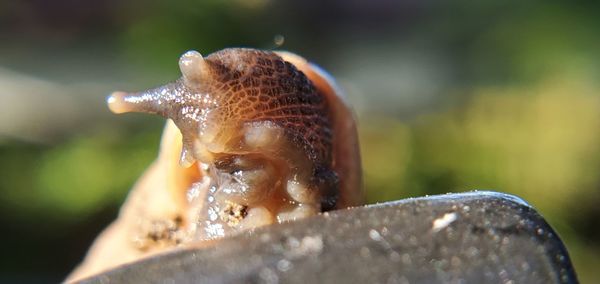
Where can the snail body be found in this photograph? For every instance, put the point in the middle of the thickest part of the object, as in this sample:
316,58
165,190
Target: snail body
253,138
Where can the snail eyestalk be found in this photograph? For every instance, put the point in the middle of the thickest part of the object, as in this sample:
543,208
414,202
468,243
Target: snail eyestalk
154,101
193,68
145,102
117,102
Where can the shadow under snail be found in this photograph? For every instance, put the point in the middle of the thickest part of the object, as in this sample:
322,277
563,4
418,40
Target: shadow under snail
253,138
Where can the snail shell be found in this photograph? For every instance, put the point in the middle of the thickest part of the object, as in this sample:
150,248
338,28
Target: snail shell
252,138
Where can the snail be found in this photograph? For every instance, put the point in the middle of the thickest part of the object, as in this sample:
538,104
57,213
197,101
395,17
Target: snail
252,138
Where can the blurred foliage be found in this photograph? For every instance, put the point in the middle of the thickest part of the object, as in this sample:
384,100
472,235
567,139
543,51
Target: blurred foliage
540,143
73,179
519,110
521,139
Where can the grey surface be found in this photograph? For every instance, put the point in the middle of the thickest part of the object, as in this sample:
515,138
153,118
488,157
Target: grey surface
479,237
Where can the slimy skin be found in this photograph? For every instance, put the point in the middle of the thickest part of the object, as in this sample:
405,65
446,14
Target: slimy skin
261,137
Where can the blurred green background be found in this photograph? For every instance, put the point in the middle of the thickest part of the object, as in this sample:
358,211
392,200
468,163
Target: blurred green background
450,97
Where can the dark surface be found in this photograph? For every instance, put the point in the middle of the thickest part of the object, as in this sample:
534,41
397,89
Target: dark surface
479,237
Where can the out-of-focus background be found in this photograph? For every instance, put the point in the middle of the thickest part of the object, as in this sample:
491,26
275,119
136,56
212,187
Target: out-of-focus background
450,96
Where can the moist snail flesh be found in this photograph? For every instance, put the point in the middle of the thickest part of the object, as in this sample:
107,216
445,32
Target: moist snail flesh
253,138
